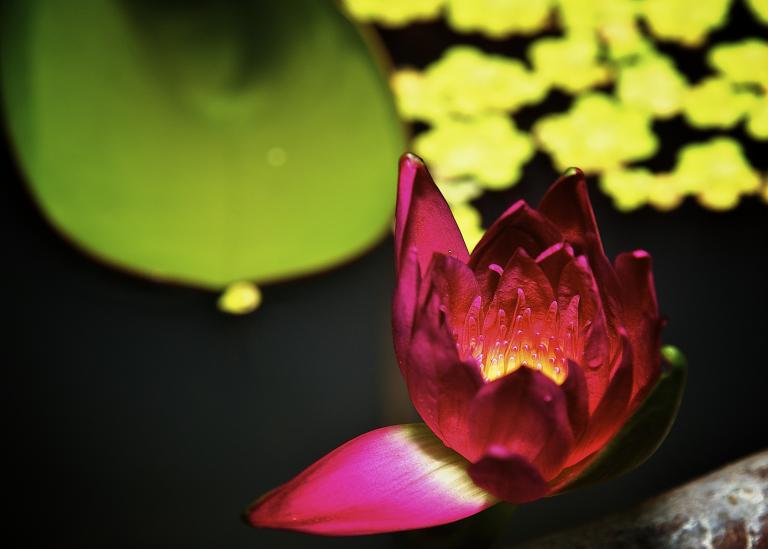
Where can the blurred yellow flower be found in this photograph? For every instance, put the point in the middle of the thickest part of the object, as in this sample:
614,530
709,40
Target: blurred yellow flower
624,39
597,134
488,148
652,84
470,223
394,13
415,97
664,192
757,121
499,18
240,298
685,21
459,191
628,187
635,187
465,82
614,21
716,172
592,14
760,9
569,63
742,62
716,103
466,95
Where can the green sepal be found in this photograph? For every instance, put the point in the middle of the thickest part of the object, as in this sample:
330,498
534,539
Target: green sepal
645,430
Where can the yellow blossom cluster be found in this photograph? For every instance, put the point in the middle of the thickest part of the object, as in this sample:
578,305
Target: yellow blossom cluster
597,134
605,54
716,172
466,82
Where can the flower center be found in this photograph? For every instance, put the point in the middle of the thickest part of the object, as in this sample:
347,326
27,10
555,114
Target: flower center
501,341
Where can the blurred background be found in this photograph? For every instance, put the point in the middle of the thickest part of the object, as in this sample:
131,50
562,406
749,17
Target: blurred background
197,200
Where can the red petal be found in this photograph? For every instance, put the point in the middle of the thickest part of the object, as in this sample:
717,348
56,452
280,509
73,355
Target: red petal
567,205
641,318
576,398
423,218
488,281
525,413
576,280
508,476
520,273
404,305
455,284
612,410
519,227
390,479
524,273
440,385
553,260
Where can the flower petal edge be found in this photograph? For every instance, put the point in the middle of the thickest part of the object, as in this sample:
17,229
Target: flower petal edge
394,478
423,218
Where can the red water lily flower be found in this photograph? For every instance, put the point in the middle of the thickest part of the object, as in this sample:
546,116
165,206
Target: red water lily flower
524,359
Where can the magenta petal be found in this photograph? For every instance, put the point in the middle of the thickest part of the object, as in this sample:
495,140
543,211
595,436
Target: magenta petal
577,282
440,384
522,272
567,205
519,227
390,479
641,318
522,281
488,281
455,284
525,413
553,260
404,305
612,410
422,217
576,398
508,476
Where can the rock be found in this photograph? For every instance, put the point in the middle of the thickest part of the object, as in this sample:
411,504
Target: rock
727,509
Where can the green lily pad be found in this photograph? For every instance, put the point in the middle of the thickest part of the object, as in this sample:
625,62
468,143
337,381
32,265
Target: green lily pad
646,429
204,142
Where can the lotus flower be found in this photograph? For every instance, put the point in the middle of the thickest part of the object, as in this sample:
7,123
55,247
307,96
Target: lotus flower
534,362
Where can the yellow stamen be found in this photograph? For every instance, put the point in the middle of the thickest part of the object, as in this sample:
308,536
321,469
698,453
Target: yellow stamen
501,342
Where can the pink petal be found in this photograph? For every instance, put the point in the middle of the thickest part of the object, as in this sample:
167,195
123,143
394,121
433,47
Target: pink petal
508,476
423,218
525,413
390,479
641,318
519,227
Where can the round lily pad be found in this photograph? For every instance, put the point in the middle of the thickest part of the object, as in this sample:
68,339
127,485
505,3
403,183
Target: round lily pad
202,142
